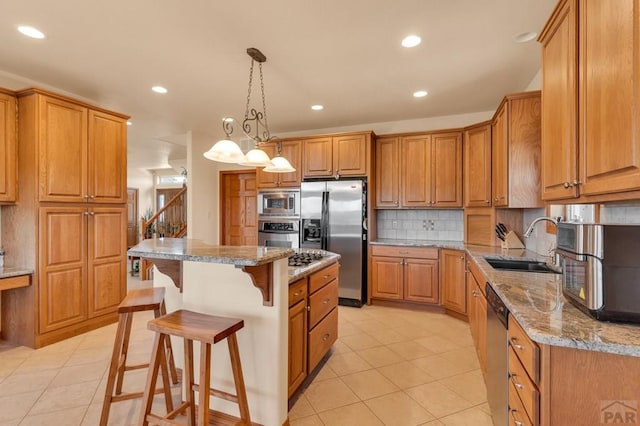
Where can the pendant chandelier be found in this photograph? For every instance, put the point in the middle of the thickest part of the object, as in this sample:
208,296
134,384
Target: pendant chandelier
254,126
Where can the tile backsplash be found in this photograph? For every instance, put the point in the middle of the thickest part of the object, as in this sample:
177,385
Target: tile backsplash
443,225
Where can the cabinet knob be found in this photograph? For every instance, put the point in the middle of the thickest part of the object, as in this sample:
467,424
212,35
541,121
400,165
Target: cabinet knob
92,196
325,301
576,182
396,203
325,337
487,201
516,345
297,293
566,184
309,308
86,197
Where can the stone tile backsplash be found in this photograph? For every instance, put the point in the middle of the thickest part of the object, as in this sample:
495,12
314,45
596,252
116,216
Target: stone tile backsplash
444,225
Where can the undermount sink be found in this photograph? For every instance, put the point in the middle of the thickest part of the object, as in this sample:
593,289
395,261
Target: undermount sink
521,265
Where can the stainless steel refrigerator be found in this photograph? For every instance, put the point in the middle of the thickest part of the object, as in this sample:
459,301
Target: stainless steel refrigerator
334,215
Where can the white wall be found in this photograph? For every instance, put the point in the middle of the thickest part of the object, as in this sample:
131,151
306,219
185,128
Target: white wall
536,82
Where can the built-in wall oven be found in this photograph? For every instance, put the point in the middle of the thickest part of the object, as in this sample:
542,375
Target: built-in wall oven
279,233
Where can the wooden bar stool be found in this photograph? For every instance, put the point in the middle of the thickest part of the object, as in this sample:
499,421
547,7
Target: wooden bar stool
136,301
208,330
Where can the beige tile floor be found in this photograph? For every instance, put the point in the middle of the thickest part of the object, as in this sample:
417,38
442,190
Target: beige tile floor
388,367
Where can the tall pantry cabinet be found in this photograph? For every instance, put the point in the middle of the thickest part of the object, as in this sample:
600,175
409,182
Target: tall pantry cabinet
70,220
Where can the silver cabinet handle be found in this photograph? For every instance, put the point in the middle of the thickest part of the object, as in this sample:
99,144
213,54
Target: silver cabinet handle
515,420
516,345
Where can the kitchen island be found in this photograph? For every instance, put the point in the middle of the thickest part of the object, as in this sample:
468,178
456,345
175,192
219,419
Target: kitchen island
250,283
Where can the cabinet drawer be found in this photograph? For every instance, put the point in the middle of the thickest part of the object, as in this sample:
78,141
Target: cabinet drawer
523,385
297,291
15,282
322,337
323,277
322,301
400,251
517,413
526,350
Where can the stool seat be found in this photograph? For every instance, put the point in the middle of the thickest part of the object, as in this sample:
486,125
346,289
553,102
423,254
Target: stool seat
144,299
196,326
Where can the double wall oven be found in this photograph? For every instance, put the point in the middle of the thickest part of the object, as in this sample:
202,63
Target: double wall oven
279,218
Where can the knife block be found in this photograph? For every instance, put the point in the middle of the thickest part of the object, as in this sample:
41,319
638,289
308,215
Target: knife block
511,241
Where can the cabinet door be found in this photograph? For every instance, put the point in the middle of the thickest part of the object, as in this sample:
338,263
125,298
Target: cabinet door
415,171
454,288
472,294
386,277
481,319
292,151
350,155
62,267
559,104
266,179
387,173
477,166
609,96
297,345
107,158
107,279
446,166
421,280
499,158
8,158
317,157
62,151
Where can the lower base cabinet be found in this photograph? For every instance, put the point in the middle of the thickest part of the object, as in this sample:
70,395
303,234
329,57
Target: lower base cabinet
477,312
405,273
313,322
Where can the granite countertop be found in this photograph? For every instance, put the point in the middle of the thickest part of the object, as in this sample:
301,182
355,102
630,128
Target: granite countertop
198,251
9,271
296,273
537,303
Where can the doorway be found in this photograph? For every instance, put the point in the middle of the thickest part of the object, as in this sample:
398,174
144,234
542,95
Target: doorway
238,208
132,217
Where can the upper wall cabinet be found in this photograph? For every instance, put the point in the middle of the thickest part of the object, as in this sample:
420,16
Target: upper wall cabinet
8,158
477,165
292,151
422,170
82,152
337,156
516,152
603,39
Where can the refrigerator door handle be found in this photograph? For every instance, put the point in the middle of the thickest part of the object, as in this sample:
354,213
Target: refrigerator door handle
324,221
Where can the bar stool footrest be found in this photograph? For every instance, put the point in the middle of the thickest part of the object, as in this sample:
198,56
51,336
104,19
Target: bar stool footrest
218,394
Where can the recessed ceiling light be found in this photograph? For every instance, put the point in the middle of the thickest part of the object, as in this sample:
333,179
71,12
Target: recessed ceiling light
30,31
420,94
129,123
317,107
525,37
411,41
159,89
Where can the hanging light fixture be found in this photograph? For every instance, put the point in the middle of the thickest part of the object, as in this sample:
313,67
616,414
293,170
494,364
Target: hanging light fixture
254,126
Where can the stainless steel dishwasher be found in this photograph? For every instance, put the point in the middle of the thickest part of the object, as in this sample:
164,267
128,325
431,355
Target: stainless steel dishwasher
497,360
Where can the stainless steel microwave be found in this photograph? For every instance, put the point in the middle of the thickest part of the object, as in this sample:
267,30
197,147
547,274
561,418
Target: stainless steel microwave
279,203
601,269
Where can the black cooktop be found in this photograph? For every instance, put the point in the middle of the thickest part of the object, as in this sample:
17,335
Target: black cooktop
302,259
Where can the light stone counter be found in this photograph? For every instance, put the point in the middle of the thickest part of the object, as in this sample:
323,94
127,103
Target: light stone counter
537,303
8,272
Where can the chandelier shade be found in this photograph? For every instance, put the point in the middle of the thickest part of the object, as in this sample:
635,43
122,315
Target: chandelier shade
279,165
225,151
256,158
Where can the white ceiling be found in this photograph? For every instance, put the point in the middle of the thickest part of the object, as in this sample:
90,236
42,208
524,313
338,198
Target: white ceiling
344,54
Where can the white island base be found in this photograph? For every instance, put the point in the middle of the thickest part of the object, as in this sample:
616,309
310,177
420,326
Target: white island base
225,290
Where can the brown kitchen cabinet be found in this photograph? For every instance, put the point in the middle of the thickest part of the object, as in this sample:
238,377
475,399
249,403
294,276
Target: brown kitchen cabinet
8,157
480,224
337,156
297,334
477,165
83,265
292,151
591,79
313,322
419,170
515,152
81,151
453,280
71,223
405,274
477,312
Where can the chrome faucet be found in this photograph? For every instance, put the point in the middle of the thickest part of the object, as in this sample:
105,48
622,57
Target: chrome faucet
529,230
